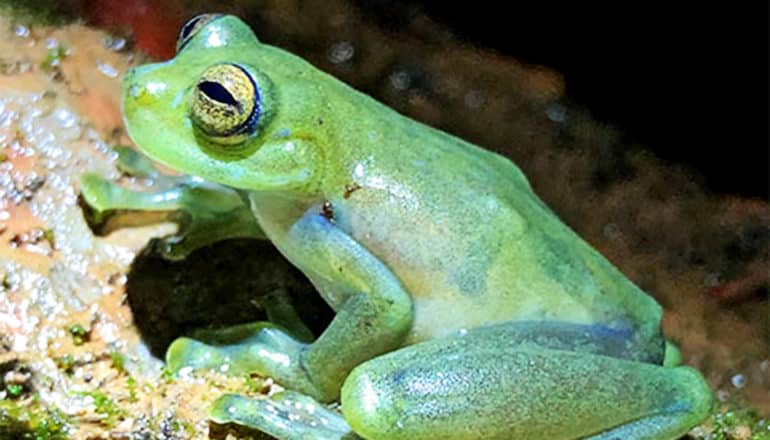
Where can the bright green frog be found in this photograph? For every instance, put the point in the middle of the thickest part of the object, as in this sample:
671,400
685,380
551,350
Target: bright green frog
464,308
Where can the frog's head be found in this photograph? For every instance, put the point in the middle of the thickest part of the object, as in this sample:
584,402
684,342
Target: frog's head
227,108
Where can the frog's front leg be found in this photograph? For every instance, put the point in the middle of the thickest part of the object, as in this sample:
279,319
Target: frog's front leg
374,314
497,383
207,212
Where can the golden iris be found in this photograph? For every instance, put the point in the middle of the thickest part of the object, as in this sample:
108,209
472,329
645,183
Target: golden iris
224,103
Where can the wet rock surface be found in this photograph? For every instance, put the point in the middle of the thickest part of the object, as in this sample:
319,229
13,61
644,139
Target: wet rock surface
72,363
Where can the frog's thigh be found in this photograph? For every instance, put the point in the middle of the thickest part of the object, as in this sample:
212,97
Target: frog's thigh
433,391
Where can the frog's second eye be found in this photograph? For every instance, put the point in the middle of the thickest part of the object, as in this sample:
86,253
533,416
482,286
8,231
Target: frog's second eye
192,26
225,104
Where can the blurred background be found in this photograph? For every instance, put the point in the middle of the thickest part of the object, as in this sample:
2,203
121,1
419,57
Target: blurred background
689,82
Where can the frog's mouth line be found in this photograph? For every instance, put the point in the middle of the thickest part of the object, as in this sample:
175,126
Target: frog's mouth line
224,152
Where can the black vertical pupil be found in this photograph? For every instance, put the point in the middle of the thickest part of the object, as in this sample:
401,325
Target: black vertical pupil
217,92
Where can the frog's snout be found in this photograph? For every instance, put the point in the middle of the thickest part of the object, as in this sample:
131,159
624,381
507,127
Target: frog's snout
141,84
132,88
147,92
129,81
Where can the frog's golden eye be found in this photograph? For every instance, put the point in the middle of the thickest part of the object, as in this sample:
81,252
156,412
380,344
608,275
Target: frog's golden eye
225,104
192,26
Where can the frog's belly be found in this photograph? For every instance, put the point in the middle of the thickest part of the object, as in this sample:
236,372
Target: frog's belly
442,308
464,281
468,282
487,264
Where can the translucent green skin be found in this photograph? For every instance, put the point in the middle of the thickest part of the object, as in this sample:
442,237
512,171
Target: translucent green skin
514,325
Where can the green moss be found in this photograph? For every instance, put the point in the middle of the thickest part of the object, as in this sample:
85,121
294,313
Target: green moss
49,236
105,406
79,334
733,422
255,384
14,390
118,361
31,422
54,58
167,375
131,383
66,363
179,427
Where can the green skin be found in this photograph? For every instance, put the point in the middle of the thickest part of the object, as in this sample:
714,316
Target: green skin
465,309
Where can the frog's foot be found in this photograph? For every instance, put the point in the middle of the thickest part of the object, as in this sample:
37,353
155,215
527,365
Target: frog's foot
211,213
286,416
103,196
110,206
260,348
206,212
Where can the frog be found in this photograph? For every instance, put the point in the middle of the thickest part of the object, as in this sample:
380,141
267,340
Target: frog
464,307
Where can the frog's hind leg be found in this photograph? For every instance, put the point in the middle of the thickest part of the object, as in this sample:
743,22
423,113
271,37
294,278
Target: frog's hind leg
236,348
287,415
487,386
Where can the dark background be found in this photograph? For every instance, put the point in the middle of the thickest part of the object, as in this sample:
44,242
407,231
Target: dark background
690,82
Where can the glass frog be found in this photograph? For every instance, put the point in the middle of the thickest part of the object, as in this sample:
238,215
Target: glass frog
465,309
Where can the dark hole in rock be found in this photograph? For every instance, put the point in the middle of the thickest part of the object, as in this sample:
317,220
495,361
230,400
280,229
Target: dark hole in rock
216,286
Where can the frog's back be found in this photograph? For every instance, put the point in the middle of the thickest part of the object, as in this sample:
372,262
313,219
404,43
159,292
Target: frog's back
463,230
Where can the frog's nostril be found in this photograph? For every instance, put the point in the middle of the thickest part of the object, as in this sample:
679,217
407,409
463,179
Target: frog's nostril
134,90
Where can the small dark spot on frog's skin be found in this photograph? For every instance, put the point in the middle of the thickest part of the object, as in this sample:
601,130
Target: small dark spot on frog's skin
350,189
398,376
320,121
327,210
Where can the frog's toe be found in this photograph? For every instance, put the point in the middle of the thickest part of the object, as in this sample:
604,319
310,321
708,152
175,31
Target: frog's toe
174,247
186,355
287,416
246,349
104,195
134,163
99,193
673,356
189,354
